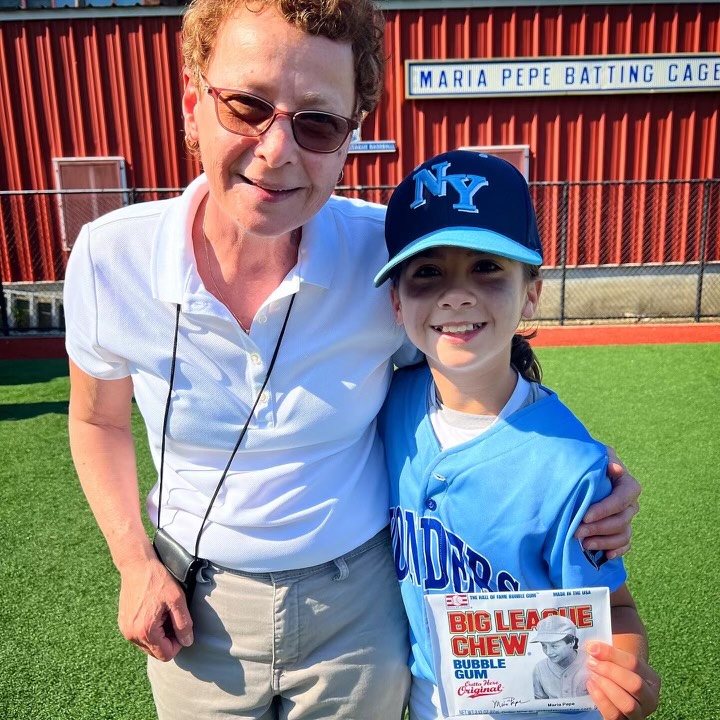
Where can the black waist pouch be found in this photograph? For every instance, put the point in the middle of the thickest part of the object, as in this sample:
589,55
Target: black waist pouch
181,564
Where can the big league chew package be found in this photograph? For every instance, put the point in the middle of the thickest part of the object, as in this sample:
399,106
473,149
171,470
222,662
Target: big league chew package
515,652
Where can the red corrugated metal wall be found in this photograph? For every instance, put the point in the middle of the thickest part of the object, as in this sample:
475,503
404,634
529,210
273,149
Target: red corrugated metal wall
82,88
92,87
111,86
662,136
604,137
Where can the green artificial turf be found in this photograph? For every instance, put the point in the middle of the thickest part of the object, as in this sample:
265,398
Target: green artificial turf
62,657
658,405
61,654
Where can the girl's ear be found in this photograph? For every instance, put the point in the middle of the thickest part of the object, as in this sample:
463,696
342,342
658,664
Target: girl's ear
397,309
534,288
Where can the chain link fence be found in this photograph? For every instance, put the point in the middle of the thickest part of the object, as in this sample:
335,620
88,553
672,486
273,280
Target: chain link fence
614,251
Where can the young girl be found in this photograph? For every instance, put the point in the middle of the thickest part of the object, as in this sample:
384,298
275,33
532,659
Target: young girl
490,473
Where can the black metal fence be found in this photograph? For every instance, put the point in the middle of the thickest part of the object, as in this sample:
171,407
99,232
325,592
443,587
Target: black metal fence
614,251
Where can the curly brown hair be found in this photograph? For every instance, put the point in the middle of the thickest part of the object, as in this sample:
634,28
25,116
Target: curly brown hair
358,22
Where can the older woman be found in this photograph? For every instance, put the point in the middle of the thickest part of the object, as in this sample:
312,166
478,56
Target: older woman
242,317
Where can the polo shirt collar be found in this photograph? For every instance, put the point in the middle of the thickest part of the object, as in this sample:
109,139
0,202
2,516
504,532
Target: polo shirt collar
173,258
173,269
319,249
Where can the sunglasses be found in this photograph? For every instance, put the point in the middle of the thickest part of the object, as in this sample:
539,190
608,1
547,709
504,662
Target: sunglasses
244,114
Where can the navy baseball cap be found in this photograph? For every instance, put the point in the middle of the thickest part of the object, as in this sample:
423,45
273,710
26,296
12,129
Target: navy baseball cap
462,199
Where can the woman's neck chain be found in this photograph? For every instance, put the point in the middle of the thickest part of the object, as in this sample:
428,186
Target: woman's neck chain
294,238
218,292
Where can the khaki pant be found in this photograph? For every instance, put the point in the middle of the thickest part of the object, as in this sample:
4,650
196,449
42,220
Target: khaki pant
329,641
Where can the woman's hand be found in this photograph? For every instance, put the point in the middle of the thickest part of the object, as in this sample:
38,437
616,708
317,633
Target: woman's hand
153,613
606,525
623,686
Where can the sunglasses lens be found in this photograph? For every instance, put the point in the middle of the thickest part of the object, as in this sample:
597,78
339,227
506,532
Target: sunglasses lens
320,131
244,114
251,116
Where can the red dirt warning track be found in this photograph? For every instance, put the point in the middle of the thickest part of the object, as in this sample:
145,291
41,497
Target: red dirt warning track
566,335
32,348
37,348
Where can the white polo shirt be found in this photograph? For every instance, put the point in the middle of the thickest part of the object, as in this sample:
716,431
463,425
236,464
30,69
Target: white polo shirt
309,481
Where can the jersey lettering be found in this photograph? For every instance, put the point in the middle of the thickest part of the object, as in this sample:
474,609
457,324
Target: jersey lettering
402,529
597,558
448,563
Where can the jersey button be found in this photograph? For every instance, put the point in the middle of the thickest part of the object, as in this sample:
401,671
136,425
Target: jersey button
430,504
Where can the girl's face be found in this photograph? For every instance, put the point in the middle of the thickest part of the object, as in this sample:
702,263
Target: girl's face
462,307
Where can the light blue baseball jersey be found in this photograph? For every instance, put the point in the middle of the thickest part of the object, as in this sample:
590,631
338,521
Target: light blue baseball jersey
497,513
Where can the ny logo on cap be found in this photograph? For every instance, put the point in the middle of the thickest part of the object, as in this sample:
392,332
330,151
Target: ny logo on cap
464,184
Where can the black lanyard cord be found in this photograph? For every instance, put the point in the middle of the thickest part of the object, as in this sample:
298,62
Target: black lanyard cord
242,432
245,427
167,408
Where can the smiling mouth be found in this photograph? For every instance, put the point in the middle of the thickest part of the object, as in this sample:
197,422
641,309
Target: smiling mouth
458,329
265,186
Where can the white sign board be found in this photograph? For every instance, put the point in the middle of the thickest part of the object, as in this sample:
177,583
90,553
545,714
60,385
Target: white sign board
373,146
570,75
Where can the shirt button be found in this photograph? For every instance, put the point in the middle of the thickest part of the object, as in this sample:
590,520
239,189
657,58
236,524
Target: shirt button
264,397
430,504
262,319
255,359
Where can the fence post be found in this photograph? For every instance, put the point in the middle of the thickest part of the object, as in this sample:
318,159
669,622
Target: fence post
563,247
3,311
4,325
703,245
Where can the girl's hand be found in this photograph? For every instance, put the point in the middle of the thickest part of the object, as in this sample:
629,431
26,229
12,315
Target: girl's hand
623,686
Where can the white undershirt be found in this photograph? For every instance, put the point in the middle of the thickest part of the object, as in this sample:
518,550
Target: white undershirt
453,427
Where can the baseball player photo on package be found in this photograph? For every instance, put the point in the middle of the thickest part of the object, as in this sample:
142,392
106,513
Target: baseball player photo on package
515,652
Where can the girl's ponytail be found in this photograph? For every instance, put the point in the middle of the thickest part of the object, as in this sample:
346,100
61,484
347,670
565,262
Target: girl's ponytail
524,359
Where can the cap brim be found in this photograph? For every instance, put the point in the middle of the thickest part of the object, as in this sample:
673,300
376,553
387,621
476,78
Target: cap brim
550,638
471,238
